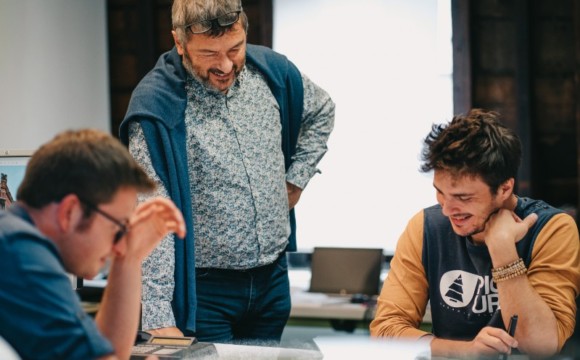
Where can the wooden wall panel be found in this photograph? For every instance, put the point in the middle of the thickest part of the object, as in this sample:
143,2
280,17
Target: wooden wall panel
462,57
552,56
576,99
525,61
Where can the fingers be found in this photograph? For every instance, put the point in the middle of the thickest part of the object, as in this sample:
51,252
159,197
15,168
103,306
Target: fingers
164,212
493,340
294,193
504,337
507,222
151,222
530,220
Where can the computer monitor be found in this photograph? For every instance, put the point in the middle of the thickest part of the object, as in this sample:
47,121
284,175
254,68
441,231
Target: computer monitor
12,168
347,271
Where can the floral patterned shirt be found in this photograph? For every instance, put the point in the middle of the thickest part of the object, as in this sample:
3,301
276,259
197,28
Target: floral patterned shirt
237,179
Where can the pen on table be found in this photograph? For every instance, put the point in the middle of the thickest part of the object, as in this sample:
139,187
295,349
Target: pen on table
511,331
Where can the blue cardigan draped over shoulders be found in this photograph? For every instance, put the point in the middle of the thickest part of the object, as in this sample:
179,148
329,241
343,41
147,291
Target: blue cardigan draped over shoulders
158,104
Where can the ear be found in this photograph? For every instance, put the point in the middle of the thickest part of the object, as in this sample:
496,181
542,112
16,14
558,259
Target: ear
178,45
69,213
506,189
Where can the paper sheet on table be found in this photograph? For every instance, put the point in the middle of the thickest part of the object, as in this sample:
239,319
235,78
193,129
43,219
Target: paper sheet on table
365,347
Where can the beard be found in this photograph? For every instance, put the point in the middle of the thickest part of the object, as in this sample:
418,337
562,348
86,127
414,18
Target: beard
481,228
204,79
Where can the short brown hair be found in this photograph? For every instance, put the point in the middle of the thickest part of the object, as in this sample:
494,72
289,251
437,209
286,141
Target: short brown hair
89,163
185,12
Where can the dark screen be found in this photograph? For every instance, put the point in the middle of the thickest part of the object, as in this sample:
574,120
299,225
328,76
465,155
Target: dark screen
346,270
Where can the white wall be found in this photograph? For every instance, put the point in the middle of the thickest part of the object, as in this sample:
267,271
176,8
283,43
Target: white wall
53,69
387,66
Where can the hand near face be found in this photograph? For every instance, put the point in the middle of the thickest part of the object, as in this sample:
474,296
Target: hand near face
151,221
506,228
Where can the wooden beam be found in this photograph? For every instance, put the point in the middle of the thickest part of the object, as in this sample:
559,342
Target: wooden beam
523,93
462,77
576,22
146,36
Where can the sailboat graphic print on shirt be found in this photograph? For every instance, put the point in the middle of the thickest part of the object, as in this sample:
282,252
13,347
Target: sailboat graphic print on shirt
455,292
458,288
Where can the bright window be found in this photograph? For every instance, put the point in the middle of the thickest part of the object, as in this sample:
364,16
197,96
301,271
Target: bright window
387,65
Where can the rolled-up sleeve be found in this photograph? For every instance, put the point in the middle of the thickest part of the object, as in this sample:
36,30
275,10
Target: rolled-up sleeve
317,124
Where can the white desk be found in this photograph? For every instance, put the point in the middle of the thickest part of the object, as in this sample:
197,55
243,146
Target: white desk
331,348
228,351
321,306
363,347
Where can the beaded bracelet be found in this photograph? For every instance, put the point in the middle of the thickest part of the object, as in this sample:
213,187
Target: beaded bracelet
509,271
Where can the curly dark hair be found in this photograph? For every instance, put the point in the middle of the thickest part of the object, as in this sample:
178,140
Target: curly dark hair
476,144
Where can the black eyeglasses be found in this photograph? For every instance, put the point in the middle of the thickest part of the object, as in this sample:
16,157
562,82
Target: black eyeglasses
199,27
123,229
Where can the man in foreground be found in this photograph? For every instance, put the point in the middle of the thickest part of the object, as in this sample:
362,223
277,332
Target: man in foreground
76,209
480,249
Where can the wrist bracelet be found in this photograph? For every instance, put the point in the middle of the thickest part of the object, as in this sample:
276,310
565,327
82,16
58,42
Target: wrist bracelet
509,271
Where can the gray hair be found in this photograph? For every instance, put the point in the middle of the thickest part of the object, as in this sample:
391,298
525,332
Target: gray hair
185,12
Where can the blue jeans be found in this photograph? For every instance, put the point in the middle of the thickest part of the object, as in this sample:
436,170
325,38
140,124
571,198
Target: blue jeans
243,306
